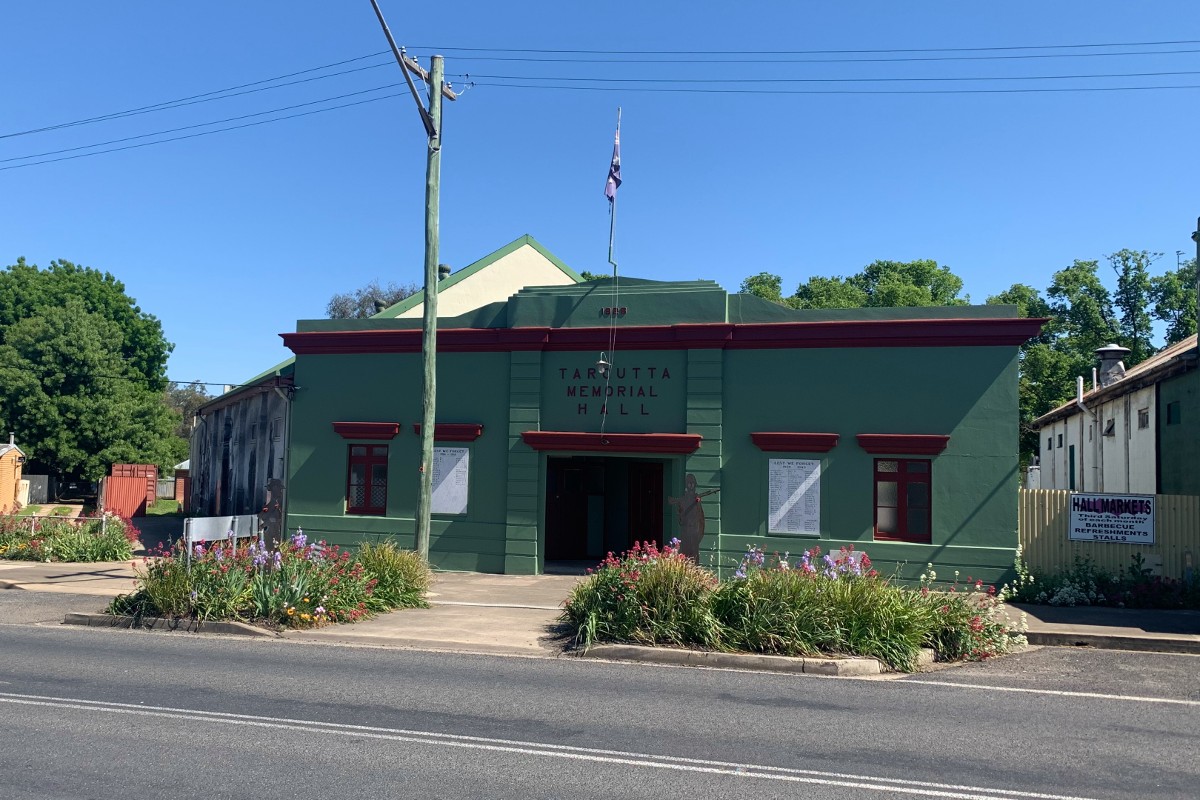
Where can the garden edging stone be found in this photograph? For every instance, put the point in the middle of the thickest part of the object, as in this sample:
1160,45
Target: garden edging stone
165,624
845,667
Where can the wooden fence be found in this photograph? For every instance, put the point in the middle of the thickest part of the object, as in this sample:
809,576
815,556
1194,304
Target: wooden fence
1045,514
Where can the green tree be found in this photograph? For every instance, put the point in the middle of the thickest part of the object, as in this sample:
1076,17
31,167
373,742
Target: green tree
1084,319
909,283
884,284
1174,298
369,300
183,399
1045,372
1132,301
77,402
764,285
26,291
835,292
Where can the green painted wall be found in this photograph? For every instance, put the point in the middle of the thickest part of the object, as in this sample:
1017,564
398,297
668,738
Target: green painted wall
1179,445
968,393
472,387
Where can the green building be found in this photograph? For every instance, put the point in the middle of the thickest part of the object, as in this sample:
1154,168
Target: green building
574,420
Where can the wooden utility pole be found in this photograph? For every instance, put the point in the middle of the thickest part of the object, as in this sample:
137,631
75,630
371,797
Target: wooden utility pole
432,121
433,180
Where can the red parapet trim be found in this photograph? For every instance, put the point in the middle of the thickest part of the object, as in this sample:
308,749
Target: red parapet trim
366,430
785,442
453,431
1001,331
903,443
676,443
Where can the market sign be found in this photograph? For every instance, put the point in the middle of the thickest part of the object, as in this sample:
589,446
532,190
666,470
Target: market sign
1127,518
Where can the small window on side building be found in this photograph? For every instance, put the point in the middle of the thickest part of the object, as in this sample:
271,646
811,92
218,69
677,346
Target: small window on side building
1143,418
366,479
1173,417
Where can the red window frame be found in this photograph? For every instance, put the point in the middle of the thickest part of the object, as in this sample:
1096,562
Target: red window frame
906,504
374,487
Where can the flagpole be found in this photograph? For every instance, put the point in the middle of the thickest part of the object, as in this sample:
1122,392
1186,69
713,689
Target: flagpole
612,221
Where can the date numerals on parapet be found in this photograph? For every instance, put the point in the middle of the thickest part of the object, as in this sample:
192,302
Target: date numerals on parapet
614,311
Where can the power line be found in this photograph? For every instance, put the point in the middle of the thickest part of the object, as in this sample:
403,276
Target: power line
202,133
718,60
470,76
812,52
197,98
687,90
199,125
212,95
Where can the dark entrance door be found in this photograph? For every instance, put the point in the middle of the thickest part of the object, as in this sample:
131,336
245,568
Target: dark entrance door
567,508
596,505
646,502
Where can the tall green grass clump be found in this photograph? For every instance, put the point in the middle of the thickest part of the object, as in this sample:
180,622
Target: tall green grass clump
402,577
646,596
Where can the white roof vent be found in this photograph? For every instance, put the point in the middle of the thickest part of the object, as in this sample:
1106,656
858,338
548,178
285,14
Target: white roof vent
1112,368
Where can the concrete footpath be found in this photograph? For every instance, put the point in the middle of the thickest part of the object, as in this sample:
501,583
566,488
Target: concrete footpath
518,614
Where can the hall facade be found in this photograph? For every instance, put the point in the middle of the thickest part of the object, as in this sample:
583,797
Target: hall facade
573,420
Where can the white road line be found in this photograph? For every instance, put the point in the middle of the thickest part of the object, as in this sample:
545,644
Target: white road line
431,738
1052,692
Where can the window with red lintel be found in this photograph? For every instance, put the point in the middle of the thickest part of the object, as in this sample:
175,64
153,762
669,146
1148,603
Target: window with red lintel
366,479
903,499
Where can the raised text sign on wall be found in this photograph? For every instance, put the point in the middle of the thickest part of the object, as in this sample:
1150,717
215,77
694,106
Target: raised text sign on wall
794,502
641,392
451,466
1127,518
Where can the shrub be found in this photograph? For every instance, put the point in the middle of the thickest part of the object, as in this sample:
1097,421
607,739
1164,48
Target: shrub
294,584
832,604
99,538
402,576
647,596
1085,584
821,604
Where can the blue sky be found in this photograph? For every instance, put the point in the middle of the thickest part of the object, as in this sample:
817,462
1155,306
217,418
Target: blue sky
230,238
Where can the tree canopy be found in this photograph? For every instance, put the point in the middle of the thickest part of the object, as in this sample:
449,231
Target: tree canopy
369,300
184,399
82,371
880,283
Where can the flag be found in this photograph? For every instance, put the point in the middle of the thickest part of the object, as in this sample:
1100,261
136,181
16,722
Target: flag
614,170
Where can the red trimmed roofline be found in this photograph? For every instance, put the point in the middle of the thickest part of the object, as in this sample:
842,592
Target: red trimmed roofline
991,331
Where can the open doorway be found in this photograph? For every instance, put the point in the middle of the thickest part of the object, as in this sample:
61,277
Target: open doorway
595,505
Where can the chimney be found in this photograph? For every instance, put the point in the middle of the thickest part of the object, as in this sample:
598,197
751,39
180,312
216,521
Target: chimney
444,271
12,439
1112,368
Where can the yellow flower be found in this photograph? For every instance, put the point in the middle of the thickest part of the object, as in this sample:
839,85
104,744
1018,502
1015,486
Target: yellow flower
306,600
291,611
304,617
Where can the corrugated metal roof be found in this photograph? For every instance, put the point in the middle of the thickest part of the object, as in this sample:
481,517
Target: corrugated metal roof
1130,379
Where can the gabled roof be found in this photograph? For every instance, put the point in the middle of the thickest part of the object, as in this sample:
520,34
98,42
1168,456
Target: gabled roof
414,300
5,448
1162,364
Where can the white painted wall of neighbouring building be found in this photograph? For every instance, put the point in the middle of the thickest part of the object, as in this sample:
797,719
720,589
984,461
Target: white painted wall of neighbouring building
1113,445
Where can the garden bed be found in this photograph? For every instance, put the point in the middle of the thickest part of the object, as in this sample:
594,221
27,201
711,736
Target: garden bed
56,538
292,584
1085,584
809,607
